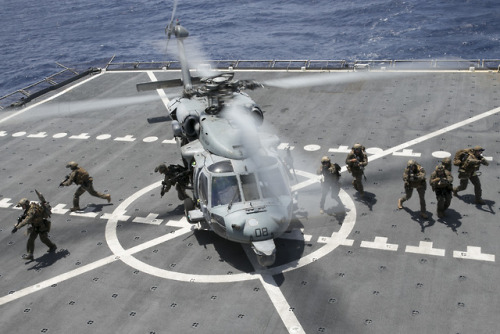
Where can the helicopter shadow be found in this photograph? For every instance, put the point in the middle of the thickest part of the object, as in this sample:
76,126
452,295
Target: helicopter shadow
48,259
228,251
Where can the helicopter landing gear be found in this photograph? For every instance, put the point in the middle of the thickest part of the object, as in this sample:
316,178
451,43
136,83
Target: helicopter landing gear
265,251
188,206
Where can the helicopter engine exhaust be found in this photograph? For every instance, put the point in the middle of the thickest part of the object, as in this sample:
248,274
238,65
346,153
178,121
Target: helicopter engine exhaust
191,126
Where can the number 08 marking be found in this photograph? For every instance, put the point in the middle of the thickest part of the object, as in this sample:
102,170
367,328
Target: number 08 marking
261,232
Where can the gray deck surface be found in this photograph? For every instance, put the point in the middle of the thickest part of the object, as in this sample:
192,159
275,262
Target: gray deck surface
135,266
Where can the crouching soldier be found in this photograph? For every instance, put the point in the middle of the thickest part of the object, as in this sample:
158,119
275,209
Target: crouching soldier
441,182
81,177
414,178
36,216
175,175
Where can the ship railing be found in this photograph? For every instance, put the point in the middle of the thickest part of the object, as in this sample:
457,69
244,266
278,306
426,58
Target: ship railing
70,74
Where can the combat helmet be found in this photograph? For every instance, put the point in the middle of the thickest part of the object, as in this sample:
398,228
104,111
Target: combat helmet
478,148
23,201
325,159
72,165
440,168
411,163
161,168
356,146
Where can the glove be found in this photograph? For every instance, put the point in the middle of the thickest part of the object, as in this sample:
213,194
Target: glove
14,230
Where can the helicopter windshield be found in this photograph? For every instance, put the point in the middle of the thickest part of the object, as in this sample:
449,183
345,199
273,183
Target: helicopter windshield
272,184
225,190
249,185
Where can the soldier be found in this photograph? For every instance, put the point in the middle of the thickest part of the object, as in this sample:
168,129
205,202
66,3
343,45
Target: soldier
330,173
468,162
356,161
35,215
441,182
414,177
174,175
81,177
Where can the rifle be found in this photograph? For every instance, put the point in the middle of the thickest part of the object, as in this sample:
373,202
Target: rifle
362,168
62,182
172,180
19,219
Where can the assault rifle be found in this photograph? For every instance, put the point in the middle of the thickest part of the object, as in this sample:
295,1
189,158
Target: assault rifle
62,182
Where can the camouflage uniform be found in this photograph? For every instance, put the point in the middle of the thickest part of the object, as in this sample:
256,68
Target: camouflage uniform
356,161
441,182
414,177
469,165
446,162
331,175
81,177
174,175
34,214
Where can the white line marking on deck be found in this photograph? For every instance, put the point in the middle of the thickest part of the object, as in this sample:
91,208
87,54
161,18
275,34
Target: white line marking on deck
379,243
425,247
474,253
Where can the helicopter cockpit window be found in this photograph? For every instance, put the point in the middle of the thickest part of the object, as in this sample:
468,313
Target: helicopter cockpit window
203,188
249,187
225,190
221,167
272,184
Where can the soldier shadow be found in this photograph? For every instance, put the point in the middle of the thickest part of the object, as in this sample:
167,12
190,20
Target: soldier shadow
451,220
423,222
48,259
471,199
489,204
369,199
178,210
95,207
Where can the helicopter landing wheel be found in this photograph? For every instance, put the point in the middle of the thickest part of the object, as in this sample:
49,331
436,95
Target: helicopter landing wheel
266,260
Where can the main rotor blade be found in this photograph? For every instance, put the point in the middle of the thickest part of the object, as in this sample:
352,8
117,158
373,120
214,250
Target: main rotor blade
153,85
322,79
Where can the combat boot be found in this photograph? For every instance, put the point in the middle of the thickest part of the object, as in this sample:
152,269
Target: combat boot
28,256
52,249
400,204
75,208
455,192
108,197
480,201
424,215
321,211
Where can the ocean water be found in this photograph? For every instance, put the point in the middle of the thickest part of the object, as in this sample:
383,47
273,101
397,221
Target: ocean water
36,35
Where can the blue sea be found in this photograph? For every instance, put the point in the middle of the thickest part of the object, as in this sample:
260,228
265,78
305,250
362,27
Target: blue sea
36,35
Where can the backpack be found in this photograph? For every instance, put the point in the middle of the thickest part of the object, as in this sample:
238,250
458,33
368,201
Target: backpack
460,157
47,208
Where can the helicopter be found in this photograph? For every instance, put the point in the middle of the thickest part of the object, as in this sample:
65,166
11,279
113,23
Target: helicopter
240,184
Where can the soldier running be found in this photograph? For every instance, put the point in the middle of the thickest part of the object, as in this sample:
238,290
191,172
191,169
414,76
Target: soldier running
81,177
174,175
414,178
330,181
35,215
441,182
468,162
356,161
